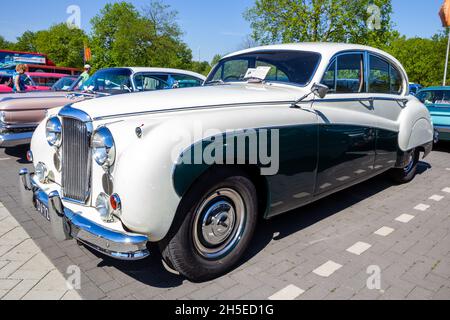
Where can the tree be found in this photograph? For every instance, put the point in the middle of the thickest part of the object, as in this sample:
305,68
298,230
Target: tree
123,36
216,60
62,44
26,42
275,21
4,44
423,59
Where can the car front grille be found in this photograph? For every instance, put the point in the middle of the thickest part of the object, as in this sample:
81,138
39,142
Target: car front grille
76,160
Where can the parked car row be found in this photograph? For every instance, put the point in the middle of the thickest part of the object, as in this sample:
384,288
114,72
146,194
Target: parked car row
20,114
285,125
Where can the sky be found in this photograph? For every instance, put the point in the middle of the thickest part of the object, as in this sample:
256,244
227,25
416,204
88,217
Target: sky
211,26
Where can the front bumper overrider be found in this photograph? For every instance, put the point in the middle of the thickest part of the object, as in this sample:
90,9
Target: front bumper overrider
67,224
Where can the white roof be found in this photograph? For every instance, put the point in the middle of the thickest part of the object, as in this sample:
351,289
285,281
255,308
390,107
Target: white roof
327,49
165,70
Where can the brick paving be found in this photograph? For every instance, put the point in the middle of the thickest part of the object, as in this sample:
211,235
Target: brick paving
413,257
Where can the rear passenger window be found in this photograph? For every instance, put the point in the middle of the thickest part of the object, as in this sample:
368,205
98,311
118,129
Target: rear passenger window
379,80
396,81
383,77
346,74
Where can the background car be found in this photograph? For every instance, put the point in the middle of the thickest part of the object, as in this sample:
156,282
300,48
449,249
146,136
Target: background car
43,79
437,100
6,83
414,88
64,84
21,113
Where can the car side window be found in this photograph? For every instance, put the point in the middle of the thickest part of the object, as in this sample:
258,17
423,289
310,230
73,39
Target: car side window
185,81
329,79
150,82
396,81
350,73
379,79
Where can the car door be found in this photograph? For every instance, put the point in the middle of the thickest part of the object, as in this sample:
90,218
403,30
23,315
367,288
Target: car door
386,85
346,118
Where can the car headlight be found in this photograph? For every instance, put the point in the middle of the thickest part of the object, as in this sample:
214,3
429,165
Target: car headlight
103,207
41,172
103,147
53,132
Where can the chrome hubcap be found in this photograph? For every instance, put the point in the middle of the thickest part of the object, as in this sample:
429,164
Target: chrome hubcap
410,165
219,223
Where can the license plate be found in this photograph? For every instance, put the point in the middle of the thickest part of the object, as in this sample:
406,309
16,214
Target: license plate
42,209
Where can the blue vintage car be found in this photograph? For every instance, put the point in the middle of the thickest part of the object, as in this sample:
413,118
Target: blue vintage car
437,100
414,88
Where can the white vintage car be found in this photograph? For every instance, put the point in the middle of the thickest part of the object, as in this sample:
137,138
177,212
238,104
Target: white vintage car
273,129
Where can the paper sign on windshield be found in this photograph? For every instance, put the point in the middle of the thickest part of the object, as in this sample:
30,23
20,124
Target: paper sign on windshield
258,73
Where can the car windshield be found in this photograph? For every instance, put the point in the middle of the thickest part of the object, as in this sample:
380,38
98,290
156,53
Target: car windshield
434,97
293,67
63,84
111,81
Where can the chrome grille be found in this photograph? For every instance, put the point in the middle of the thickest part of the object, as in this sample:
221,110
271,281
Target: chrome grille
75,160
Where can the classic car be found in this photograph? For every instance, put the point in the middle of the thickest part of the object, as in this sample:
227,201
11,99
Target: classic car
273,129
437,100
414,88
44,79
6,83
21,113
64,84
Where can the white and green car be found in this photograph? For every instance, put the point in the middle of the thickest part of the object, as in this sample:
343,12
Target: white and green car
273,129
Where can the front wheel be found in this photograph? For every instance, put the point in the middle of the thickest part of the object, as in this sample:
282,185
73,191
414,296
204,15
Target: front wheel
407,174
214,225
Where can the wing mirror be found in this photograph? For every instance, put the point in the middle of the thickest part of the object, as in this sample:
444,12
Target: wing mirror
320,90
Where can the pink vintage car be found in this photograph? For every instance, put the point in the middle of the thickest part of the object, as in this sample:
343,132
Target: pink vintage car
35,81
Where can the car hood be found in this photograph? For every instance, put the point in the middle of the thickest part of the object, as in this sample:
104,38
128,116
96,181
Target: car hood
174,99
31,94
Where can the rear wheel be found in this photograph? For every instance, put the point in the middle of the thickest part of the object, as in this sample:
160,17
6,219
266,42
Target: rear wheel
407,174
215,223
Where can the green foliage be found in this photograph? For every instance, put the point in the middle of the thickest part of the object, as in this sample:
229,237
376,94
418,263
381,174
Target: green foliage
123,36
26,42
275,21
216,60
62,44
5,44
201,67
423,59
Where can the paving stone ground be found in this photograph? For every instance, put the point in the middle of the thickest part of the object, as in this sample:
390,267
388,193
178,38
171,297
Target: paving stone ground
350,237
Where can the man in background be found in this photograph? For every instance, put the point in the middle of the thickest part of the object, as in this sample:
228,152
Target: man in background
85,75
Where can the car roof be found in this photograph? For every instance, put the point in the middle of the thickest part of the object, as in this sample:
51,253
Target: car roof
160,70
329,48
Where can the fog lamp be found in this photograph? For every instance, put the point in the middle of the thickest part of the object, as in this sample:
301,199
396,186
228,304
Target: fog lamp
103,207
41,172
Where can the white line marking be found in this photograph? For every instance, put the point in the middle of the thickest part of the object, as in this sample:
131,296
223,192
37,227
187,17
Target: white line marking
436,197
289,293
359,248
384,231
360,171
4,159
342,179
327,269
302,195
422,207
446,190
325,185
405,218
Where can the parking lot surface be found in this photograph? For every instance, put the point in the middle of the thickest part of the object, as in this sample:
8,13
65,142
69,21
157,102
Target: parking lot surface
376,240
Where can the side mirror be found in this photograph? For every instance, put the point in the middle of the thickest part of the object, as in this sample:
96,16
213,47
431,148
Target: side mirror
320,90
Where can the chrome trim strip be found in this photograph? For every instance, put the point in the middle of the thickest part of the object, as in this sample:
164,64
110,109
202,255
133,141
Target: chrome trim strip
231,105
15,139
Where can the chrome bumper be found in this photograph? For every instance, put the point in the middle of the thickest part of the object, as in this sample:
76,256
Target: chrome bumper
68,224
8,140
442,129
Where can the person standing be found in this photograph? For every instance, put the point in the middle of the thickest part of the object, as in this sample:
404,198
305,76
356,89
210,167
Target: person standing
18,78
85,75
